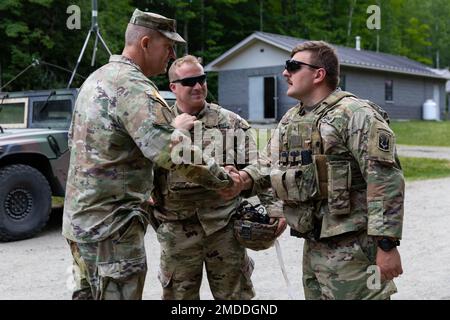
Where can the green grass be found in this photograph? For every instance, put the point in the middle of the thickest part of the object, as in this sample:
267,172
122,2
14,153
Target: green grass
424,168
57,202
413,168
422,133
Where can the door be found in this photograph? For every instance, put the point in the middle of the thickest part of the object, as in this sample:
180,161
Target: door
262,100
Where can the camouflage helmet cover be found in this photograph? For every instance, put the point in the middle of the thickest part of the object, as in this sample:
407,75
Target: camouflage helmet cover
253,230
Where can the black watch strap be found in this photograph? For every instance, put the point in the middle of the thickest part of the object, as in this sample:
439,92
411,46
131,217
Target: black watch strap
387,244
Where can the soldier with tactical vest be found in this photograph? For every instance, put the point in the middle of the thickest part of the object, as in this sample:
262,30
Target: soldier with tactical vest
118,133
340,180
197,225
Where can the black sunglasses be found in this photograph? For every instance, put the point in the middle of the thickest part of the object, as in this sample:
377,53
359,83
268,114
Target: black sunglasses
191,81
294,65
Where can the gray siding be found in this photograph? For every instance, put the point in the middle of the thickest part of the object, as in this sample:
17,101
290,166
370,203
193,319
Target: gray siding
410,92
233,89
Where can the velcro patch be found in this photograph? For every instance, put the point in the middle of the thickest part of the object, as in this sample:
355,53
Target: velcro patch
384,140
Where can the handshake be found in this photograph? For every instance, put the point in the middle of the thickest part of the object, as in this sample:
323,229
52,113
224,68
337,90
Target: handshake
241,181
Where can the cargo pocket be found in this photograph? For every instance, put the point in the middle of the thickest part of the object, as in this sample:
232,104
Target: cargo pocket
123,269
129,241
248,267
300,217
339,182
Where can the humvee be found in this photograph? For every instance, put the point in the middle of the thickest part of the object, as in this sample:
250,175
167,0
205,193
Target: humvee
34,157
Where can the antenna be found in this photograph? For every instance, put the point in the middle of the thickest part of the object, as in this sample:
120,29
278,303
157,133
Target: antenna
94,29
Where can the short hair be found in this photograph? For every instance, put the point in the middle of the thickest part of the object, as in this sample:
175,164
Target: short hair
322,55
189,59
135,33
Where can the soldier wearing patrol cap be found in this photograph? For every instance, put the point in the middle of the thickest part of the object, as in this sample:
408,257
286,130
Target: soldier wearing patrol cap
121,127
337,171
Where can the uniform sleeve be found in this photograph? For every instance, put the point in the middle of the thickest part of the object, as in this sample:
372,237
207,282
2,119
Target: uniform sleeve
260,163
372,143
147,122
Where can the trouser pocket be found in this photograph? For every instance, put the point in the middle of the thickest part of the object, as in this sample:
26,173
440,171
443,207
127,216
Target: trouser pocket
300,216
339,182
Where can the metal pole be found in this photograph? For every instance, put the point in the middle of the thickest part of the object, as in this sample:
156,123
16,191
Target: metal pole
94,51
94,28
94,14
103,42
79,58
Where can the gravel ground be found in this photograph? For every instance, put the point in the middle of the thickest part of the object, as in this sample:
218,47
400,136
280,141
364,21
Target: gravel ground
424,152
39,268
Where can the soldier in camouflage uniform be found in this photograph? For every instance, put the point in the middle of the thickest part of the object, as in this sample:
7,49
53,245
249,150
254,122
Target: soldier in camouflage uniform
197,224
119,131
339,176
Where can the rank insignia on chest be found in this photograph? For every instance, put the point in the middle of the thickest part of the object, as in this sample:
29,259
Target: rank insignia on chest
384,141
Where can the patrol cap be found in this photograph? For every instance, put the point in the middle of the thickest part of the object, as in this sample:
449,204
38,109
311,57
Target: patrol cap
168,27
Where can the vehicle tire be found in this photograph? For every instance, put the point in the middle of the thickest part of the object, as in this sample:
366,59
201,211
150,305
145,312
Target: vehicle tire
25,202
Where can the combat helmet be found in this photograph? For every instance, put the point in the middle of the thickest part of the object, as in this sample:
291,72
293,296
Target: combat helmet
252,228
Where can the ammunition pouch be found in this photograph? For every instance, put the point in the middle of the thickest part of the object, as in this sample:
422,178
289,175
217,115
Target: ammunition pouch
339,183
297,183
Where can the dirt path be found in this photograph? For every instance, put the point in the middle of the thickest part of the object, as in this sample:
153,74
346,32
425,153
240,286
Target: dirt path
39,268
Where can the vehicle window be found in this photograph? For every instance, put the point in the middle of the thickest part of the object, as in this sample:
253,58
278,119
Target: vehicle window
52,114
12,113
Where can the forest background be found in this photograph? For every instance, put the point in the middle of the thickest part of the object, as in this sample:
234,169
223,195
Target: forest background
37,29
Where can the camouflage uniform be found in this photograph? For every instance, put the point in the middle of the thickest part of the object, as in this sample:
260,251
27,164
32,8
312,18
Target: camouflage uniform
351,190
119,131
197,225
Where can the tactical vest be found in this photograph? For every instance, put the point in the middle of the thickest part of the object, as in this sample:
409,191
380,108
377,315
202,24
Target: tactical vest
175,191
306,178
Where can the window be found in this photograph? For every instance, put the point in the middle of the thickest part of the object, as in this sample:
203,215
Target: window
389,90
13,113
342,82
53,114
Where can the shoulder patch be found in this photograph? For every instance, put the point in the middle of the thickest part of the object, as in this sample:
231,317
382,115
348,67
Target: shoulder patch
381,143
384,140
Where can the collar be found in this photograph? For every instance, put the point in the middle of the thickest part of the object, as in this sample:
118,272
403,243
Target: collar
199,114
303,109
122,59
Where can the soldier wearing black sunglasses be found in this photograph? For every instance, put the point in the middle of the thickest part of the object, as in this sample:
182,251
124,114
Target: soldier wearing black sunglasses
294,65
340,179
197,223
191,81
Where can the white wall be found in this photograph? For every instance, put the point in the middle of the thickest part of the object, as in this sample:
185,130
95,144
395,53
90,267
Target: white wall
256,55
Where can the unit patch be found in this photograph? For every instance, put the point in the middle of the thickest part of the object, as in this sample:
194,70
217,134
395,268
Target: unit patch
384,141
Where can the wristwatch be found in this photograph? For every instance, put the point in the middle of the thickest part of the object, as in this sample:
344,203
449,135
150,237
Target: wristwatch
387,244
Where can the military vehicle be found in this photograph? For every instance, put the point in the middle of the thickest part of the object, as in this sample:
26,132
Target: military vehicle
34,157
